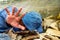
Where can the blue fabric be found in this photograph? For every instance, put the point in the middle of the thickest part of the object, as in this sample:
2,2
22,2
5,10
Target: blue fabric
33,21
4,36
16,30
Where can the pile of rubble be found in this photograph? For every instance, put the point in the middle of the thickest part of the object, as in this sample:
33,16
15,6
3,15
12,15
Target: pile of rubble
23,35
51,29
51,32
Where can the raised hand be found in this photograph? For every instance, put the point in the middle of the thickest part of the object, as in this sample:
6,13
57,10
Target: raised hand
13,19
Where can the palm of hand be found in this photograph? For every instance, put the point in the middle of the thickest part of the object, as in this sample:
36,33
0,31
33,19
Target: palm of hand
14,20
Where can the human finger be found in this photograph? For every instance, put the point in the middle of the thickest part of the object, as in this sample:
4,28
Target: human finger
17,13
8,12
13,10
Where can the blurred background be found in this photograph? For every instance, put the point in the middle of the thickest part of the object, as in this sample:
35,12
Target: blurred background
45,7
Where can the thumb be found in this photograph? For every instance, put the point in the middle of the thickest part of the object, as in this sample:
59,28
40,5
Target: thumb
17,25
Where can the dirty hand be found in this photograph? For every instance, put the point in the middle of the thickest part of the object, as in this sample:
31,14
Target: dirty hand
13,19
